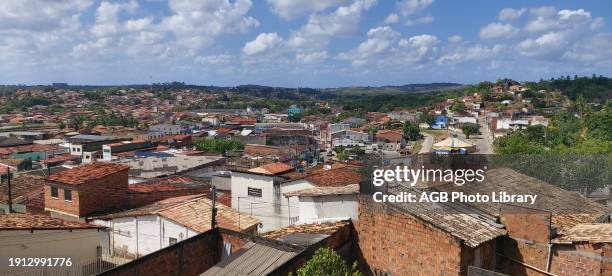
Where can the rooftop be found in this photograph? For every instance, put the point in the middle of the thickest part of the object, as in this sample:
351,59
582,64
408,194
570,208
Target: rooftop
322,191
39,222
272,168
84,173
150,167
192,211
326,228
588,232
252,259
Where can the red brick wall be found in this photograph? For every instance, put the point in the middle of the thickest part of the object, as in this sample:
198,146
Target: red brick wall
108,193
400,244
192,256
581,259
526,223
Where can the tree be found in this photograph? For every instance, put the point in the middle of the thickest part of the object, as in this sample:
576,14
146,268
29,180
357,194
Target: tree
427,119
469,129
458,107
218,145
411,131
326,262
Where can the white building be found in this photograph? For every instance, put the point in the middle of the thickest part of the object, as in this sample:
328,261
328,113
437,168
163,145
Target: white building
259,191
322,204
144,230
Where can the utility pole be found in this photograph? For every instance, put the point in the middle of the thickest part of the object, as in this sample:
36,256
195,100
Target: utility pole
213,221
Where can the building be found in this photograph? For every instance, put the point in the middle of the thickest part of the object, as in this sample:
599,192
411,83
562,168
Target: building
350,138
27,194
141,231
82,191
155,167
160,130
259,191
110,150
390,139
320,204
26,235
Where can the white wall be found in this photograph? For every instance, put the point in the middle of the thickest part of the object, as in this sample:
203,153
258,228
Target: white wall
317,208
154,233
272,207
80,244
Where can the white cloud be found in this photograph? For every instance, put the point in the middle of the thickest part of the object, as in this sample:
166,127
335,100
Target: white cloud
418,49
197,23
455,38
421,20
408,7
543,11
288,9
39,15
214,59
344,21
464,52
391,19
311,58
540,24
496,30
380,39
597,49
510,13
262,43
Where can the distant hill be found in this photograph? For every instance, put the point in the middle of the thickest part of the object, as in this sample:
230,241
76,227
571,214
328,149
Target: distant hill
394,89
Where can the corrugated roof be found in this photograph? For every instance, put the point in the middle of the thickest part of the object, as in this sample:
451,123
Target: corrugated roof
252,259
84,173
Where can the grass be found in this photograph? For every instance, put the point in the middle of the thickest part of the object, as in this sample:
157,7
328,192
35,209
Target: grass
434,132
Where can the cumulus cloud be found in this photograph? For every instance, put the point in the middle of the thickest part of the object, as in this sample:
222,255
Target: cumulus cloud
262,43
408,7
288,9
455,38
496,30
39,15
510,13
221,59
421,20
391,19
321,27
311,58
466,52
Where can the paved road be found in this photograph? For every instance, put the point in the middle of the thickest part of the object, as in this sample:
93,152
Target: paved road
484,142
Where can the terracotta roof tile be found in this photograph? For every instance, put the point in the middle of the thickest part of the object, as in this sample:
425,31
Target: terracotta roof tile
82,174
272,168
321,191
588,232
28,221
327,228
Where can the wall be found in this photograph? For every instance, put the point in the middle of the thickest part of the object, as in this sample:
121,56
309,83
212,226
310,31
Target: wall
78,244
398,243
190,257
330,206
142,235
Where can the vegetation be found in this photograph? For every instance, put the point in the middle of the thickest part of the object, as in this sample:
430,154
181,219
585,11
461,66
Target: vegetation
411,131
221,146
326,262
470,129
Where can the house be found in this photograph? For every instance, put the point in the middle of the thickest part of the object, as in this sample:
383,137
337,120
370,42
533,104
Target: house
159,130
350,138
41,236
404,116
390,139
141,231
325,203
293,110
89,147
79,192
259,190
27,194
109,150
155,167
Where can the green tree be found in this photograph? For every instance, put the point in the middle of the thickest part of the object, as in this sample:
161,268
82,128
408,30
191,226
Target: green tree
326,262
458,107
218,145
469,129
411,131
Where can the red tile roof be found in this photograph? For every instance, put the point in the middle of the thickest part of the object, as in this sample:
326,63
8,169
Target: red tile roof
39,222
272,168
82,174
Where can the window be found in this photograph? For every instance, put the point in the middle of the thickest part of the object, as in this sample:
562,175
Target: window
171,241
54,192
254,192
67,194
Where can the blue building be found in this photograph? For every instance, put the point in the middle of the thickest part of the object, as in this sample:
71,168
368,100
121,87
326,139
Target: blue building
441,122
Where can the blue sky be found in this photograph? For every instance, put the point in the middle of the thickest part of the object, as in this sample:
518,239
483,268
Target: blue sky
315,43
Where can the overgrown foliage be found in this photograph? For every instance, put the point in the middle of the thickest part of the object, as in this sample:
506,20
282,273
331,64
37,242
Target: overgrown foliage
221,146
326,262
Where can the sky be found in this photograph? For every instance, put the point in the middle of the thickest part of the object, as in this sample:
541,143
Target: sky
301,43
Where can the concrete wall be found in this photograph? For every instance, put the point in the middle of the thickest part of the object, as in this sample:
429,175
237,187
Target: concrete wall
79,244
142,235
326,207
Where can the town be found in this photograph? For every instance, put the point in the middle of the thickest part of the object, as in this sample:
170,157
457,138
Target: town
120,178
305,138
